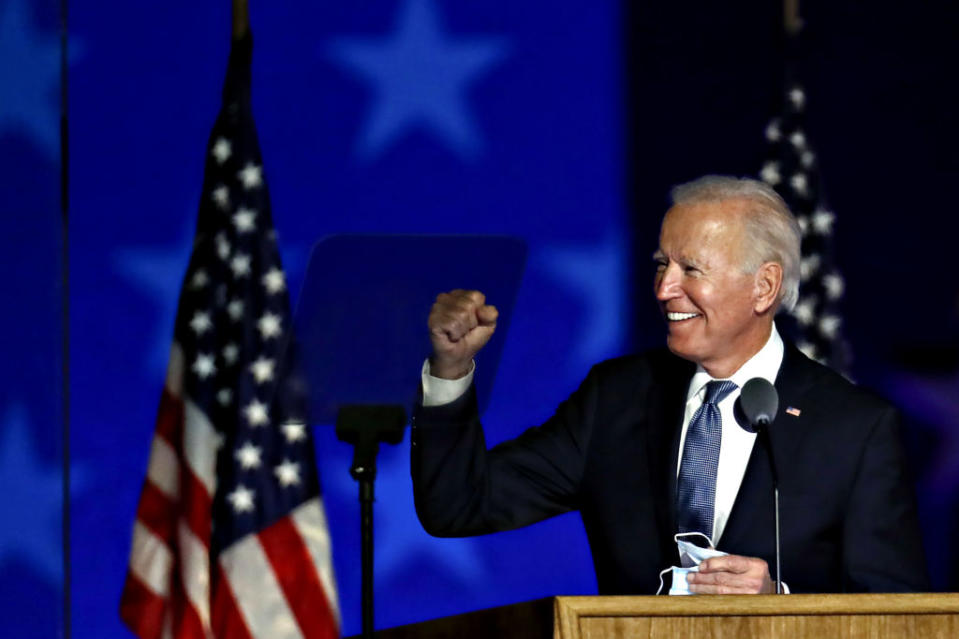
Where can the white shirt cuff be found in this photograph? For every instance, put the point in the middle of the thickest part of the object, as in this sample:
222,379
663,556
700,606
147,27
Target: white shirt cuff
438,391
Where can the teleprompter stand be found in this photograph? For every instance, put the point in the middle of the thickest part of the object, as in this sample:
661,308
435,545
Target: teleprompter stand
365,427
360,336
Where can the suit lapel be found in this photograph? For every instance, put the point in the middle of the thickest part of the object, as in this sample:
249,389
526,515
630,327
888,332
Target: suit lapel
754,500
667,402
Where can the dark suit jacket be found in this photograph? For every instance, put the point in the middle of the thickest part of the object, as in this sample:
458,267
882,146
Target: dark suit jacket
848,512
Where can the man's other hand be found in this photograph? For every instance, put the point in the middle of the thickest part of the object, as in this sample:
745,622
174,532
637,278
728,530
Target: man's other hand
460,323
731,575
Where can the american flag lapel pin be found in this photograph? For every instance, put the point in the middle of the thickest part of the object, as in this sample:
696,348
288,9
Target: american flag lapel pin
792,410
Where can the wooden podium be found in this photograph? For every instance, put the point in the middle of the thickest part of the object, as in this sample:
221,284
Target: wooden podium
873,616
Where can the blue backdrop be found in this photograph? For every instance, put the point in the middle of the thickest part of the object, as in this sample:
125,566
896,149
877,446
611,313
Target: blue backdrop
561,123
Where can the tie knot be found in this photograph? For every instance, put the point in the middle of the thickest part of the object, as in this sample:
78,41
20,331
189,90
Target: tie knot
717,390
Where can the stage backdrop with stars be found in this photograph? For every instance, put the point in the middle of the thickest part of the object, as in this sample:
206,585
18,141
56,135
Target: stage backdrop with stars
561,123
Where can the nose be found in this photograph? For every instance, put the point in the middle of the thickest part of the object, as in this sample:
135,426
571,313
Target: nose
666,285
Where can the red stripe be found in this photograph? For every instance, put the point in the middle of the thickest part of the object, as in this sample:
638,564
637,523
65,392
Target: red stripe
141,609
157,513
298,579
186,621
170,419
227,621
197,507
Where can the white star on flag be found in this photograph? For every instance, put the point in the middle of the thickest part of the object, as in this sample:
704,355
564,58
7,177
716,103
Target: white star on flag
262,370
241,499
808,266
834,285
274,281
224,396
221,150
203,366
798,139
804,312
231,352
255,413
288,473
199,279
829,326
799,183
201,322
822,221
243,220
797,97
770,173
772,131
251,176
294,431
222,246
221,195
269,325
249,456
240,265
235,309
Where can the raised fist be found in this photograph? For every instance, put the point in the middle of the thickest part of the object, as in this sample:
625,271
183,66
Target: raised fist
460,323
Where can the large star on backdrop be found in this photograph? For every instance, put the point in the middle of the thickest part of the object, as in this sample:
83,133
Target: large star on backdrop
29,78
420,77
595,274
31,507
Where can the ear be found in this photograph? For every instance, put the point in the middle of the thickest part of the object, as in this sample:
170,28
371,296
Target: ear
767,283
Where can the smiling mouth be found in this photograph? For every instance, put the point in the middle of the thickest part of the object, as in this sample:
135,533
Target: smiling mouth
680,317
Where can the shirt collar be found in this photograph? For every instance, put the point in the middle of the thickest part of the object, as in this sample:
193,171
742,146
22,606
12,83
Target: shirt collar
763,364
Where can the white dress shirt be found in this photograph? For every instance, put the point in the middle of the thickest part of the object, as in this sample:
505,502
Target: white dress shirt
737,444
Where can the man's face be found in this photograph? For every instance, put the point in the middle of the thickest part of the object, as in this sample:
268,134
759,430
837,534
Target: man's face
708,302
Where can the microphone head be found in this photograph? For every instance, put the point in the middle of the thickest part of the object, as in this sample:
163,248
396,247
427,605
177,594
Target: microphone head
758,402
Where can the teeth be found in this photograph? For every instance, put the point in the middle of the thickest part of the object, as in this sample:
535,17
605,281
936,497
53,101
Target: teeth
676,317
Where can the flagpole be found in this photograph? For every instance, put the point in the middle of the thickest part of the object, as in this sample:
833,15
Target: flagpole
792,21
241,18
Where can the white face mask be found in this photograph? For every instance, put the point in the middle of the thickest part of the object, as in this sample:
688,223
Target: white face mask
690,556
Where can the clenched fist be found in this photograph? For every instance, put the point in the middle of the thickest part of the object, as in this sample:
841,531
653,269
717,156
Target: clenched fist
460,322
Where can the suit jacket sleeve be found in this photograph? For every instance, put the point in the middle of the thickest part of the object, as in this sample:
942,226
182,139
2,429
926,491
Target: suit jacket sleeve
460,488
882,547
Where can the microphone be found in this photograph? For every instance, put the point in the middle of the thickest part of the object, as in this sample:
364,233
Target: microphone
757,404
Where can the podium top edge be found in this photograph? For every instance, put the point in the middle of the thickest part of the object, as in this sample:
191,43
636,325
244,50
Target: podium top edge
761,605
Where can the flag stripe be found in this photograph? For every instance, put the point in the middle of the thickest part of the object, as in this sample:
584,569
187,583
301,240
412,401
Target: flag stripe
151,561
227,621
164,468
170,418
195,573
156,513
286,551
310,520
142,609
258,595
200,445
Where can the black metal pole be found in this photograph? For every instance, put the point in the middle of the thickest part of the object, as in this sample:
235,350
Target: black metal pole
366,536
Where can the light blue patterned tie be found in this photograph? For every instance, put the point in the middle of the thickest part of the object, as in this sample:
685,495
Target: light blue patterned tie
696,491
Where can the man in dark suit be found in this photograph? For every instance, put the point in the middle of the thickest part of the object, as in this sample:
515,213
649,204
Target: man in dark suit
649,445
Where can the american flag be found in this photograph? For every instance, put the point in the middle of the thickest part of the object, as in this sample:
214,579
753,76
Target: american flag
230,538
792,168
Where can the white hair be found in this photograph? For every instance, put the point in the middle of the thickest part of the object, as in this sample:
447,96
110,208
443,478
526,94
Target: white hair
771,231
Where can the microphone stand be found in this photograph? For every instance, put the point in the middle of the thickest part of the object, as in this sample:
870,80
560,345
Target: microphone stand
763,432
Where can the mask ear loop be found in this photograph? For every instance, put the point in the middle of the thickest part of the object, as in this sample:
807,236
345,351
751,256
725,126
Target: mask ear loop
690,534
661,582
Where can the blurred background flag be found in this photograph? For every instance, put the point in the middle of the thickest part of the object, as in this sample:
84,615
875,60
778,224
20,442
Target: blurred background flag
792,168
231,539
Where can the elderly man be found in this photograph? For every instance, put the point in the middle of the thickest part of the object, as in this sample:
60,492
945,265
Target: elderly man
649,445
